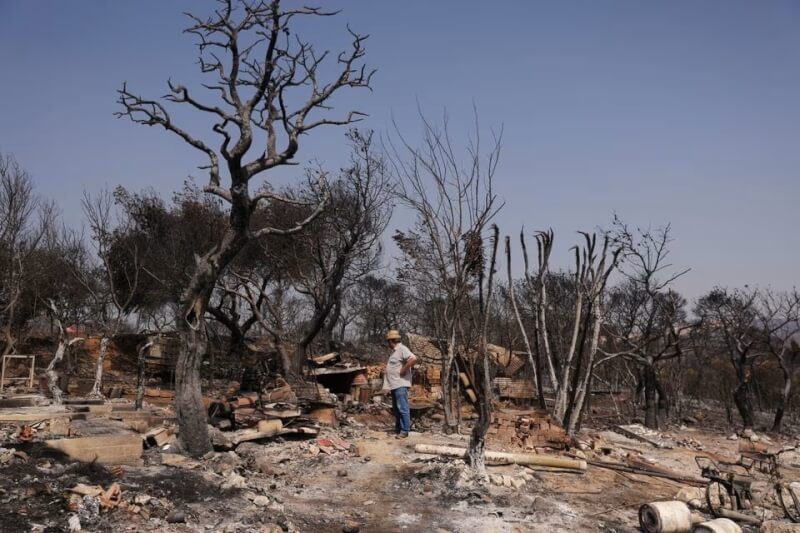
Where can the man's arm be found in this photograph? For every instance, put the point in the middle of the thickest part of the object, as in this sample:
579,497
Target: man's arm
410,361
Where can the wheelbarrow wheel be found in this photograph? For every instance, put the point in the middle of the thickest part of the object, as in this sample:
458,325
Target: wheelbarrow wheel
790,500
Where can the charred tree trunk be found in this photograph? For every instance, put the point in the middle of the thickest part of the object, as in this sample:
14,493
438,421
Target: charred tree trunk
141,365
52,373
583,388
650,393
97,387
447,383
236,345
664,402
741,397
787,368
191,413
782,402
188,396
285,358
477,441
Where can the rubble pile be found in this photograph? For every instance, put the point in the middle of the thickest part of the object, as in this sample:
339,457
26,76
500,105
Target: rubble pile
526,430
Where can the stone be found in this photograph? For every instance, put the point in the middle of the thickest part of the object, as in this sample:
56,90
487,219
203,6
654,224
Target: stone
219,440
779,526
74,523
545,506
234,481
734,437
176,517
517,483
261,501
694,496
342,472
350,527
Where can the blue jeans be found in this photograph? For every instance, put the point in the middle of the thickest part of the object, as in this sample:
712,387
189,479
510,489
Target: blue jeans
402,413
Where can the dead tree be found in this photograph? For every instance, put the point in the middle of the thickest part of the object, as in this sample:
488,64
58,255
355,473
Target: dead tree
481,364
646,319
64,344
270,82
141,364
599,267
730,319
512,296
780,323
453,203
593,267
24,221
112,284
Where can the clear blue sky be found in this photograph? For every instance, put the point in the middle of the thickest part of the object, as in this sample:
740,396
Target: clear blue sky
675,111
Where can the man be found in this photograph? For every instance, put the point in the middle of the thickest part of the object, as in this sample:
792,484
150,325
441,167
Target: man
397,379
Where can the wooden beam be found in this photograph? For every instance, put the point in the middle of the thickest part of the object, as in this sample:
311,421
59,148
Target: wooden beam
106,449
517,458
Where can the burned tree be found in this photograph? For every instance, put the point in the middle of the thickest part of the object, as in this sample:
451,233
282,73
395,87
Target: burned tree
780,330
112,281
326,259
730,320
571,371
454,203
479,361
647,321
270,90
24,221
64,344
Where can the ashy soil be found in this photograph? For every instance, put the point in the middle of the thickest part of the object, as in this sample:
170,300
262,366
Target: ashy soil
369,482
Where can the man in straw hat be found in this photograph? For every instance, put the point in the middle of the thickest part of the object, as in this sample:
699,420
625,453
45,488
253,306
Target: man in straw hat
397,379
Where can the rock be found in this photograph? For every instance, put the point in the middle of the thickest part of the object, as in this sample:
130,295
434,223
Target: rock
747,433
580,455
265,465
141,499
261,501
275,506
507,481
342,472
754,438
779,526
517,483
545,506
734,437
350,527
74,523
694,496
222,463
234,481
176,517
219,440
89,508
496,479
250,450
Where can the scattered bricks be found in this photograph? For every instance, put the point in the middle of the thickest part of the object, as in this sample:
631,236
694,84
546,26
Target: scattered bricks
525,429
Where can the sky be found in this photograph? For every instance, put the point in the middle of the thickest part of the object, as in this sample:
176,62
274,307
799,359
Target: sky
677,112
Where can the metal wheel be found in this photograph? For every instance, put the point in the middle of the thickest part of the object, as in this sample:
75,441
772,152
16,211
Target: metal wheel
718,498
790,500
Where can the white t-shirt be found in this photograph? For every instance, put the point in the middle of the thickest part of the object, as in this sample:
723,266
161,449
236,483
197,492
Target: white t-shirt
392,379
